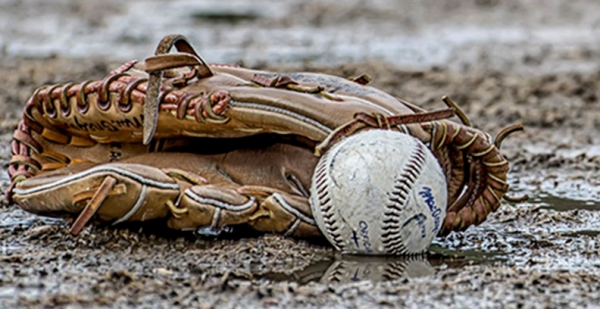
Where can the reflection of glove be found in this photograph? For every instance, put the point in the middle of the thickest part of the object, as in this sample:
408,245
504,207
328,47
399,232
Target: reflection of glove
211,146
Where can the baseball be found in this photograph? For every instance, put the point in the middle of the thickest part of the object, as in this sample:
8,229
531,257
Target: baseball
379,192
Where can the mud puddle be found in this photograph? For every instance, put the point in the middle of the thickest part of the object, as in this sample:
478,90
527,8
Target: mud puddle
349,269
515,240
549,201
442,255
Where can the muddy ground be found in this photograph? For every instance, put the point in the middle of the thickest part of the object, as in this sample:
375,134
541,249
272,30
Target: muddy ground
504,62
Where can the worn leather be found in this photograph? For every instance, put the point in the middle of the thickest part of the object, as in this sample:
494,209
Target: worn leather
229,146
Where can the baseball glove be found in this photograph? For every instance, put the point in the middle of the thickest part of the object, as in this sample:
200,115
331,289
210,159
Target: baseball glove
210,146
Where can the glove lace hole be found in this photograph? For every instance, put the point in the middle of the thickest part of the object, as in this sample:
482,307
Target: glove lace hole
183,105
103,105
65,107
124,103
104,91
48,106
82,103
125,108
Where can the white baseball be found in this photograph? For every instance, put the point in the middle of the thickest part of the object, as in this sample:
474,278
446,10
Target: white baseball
379,192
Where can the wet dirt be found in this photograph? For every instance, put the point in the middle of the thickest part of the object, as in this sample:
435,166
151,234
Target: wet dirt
504,62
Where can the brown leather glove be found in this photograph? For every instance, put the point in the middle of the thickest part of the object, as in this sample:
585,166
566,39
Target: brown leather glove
212,146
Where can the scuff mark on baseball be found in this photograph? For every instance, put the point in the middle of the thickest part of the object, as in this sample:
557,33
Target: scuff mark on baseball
379,192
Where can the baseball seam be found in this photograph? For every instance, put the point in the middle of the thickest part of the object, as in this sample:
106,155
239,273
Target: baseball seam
396,270
337,273
392,225
330,219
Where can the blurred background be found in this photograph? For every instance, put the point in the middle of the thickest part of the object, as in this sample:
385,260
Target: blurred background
518,35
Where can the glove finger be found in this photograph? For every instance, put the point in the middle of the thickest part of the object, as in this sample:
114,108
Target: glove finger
286,214
140,192
213,207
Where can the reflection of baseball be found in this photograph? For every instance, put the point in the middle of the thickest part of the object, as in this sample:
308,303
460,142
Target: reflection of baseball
379,192
377,269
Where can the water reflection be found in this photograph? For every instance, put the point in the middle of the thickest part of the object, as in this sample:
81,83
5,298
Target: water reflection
549,201
349,269
355,269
